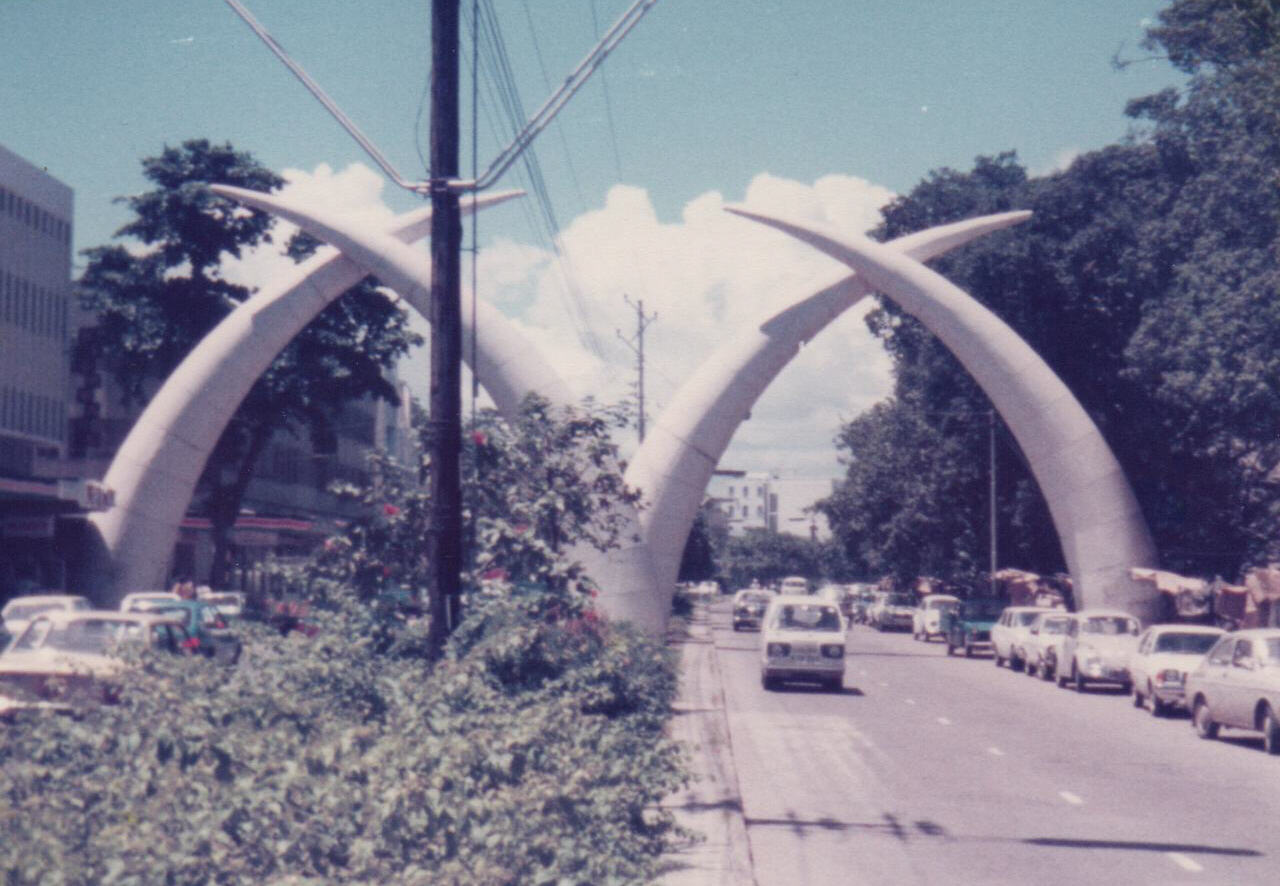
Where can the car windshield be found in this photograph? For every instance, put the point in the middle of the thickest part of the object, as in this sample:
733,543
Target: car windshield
1109,625
97,636
900,600
28,611
1192,644
1022,619
1053,625
981,610
808,618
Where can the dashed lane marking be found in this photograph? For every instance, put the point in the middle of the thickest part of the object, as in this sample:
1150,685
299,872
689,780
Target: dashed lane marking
1070,798
909,700
1185,862
995,752
944,721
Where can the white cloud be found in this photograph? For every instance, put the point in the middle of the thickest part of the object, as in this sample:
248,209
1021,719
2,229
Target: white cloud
1059,163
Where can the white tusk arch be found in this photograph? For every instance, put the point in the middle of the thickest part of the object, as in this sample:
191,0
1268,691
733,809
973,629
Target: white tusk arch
1095,512
674,464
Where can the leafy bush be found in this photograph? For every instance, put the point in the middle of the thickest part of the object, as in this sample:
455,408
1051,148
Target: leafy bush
529,750
532,753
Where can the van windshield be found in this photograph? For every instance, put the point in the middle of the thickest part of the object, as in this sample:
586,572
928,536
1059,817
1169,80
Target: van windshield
807,618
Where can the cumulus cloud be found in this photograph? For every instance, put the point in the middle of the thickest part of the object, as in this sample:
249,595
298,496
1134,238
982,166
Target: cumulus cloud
1058,163
706,275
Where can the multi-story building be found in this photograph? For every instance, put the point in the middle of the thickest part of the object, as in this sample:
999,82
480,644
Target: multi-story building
760,500
37,495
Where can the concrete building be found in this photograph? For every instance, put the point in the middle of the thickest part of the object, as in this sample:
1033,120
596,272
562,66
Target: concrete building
762,500
37,495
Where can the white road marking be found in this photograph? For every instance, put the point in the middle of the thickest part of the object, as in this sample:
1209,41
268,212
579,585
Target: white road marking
995,752
1070,798
909,700
944,721
883,683
1185,862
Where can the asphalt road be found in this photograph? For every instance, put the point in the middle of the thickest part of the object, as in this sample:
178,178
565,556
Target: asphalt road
934,770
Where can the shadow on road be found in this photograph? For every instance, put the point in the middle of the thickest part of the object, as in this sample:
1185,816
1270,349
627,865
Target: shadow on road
1142,845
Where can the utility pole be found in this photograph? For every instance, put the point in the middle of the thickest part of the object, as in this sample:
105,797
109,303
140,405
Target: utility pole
991,473
637,346
444,424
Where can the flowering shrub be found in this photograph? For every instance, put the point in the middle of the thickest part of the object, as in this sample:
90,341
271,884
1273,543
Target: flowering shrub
531,751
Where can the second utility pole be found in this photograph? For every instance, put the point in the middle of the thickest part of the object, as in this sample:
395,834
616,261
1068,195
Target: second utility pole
637,345
444,425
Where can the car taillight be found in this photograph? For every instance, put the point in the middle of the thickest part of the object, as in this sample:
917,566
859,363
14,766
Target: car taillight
1169,676
778,649
832,650
191,643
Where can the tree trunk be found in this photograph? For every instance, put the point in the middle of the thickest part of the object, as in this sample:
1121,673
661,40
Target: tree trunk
225,505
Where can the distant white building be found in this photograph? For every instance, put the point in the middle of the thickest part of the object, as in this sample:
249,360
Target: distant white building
760,500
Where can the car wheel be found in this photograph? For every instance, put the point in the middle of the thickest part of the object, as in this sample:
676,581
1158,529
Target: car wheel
968,650
1270,732
995,656
769,683
951,650
1202,720
835,684
1015,664
1077,678
1060,678
1158,707
1139,700
1043,667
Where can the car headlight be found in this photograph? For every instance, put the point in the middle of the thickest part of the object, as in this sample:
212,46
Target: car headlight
832,650
774,650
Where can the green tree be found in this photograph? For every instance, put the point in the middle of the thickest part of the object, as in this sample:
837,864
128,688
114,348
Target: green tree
152,305
698,561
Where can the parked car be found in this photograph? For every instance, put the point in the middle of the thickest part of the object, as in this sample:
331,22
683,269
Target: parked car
748,608
145,601
1042,647
230,604
891,611
860,604
1159,666
206,627
1008,634
927,620
1096,649
19,611
802,639
968,626
1237,685
794,584
64,656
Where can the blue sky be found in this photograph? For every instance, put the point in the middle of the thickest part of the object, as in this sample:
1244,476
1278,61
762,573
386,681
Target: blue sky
701,101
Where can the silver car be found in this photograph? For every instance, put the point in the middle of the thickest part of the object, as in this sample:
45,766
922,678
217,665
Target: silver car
1165,655
1238,686
1096,649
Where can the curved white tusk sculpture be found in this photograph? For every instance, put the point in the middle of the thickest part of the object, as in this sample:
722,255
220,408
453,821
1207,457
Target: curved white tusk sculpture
155,470
680,453
1094,510
508,366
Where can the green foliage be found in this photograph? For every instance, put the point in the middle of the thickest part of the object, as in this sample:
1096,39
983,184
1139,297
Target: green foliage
1147,279
530,752
764,556
152,306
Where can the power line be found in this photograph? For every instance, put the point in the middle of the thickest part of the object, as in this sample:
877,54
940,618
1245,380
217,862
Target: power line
608,105
636,344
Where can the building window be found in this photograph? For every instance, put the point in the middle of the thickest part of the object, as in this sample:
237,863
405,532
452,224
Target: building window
760,491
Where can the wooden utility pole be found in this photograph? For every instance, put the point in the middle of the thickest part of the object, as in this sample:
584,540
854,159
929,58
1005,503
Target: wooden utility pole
637,346
444,425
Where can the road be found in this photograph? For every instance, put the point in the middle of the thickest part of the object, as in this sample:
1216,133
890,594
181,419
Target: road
927,769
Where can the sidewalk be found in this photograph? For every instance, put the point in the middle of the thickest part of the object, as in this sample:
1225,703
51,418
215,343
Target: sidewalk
711,806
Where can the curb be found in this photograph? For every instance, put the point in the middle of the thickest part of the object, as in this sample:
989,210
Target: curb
712,804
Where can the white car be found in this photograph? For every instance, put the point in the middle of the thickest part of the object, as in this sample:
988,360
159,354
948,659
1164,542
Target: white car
19,611
892,610
1238,686
1042,646
794,584
145,601
802,639
230,604
1164,657
63,654
1097,647
927,620
1009,634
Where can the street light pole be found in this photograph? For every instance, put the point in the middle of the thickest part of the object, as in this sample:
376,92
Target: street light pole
991,472
444,424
